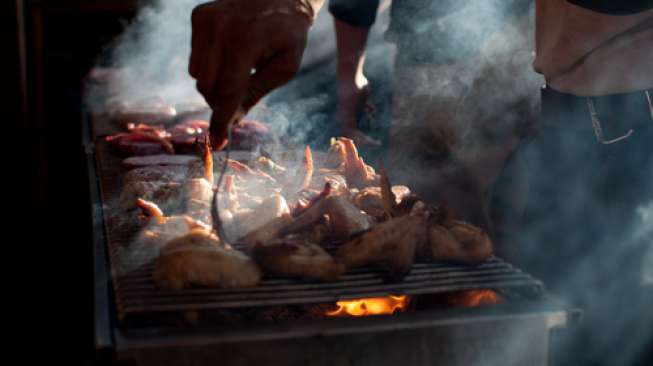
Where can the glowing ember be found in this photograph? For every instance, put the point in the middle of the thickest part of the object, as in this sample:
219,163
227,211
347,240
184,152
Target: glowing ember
476,298
370,306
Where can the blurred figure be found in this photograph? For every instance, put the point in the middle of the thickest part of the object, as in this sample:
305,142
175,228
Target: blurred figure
451,130
586,230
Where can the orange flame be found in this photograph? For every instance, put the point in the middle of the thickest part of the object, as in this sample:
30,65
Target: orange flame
475,298
370,306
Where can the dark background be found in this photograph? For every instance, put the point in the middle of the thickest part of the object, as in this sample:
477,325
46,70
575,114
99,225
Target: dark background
51,47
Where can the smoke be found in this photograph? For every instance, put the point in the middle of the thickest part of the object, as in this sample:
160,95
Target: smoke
151,56
463,74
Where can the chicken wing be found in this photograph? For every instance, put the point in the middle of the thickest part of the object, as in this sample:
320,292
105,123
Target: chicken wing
198,258
297,258
391,244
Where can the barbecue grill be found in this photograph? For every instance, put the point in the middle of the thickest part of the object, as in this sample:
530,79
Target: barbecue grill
136,321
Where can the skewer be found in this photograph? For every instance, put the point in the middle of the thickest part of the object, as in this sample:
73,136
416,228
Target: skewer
215,210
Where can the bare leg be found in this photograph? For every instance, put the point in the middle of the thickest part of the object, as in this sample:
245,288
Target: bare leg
352,84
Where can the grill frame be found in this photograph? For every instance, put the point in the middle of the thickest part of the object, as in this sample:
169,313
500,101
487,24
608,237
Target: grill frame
135,293
117,340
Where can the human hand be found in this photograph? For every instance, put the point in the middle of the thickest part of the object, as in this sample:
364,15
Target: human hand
242,50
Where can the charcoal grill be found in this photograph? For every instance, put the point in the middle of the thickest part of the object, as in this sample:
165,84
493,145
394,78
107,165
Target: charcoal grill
520,328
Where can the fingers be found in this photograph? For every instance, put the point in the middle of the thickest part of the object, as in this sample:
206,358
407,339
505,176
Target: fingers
218,137
230,90
274,73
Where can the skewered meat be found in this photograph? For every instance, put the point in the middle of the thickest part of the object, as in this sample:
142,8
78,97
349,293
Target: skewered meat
391,244
198,258
297,258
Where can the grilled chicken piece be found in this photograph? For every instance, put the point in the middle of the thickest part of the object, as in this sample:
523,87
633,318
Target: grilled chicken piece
391,244
240,222
461,243
297,258
474,242
345,218
268,232
370,200
271,208
335,179
317,233
198,258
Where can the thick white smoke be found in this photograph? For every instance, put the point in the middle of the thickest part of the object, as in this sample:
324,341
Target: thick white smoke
152,55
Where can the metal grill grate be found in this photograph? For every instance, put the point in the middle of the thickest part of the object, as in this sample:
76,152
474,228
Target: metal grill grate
135,292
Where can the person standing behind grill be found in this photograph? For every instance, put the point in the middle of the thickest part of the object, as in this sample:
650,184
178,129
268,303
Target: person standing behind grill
451,131
588,224
588,219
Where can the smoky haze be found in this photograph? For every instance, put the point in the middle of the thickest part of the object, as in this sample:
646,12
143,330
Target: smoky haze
492,81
